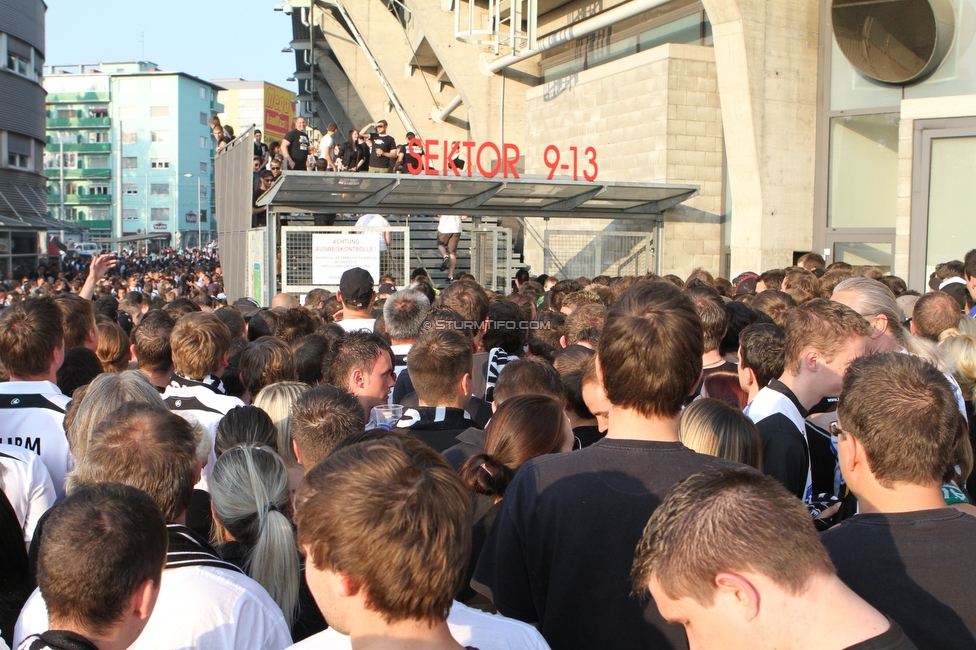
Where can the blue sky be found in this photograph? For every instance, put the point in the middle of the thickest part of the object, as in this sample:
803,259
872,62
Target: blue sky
210,39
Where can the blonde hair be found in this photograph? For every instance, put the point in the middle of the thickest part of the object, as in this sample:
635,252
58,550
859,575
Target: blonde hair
277,400
960,350
712,427
250,498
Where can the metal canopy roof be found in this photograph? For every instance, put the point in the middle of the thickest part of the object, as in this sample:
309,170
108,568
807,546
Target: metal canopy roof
527,196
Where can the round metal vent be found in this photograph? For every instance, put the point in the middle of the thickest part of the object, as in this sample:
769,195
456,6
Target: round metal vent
894,41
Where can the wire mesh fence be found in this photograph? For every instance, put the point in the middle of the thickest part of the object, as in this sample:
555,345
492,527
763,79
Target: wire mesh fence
491,257
574,253
298,260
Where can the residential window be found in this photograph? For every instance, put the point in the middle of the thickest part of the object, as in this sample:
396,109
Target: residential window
203,116
159,111
100,190
18,56
204,142
132,137
67,113
128,111
98,136
129,86
203,216
160,137
159,214
19,150
130,188
159,163
203,191
203,168
159,189
53,160
203,92
130,214
98,214
98,162
131,162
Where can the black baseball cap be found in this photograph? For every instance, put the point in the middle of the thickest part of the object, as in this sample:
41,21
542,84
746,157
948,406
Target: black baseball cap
247,306
356,287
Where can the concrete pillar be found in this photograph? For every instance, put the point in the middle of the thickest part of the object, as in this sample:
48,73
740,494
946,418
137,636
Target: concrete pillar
766,59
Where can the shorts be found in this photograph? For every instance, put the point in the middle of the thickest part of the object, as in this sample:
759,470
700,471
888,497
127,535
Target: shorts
449,240
379,170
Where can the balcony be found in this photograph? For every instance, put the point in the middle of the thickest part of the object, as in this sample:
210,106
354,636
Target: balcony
94,224
78,122
89,147
54,174
71,98
80,199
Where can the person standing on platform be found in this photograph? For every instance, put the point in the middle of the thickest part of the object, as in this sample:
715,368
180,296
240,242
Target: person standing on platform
383,149
448,236
327,146
295,146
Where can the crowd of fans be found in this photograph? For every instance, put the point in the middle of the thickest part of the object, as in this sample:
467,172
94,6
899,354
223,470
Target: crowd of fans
783,460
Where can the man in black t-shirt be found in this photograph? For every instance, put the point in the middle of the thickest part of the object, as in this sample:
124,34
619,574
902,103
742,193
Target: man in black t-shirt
260,149
382,150
906,553
731,555
561,549
295,146
259,216
408,155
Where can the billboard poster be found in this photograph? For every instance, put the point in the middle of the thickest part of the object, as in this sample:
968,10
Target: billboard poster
333,254
279,108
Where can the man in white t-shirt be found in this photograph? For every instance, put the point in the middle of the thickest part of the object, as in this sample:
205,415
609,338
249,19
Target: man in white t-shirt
327,145
448,236
379,221
31,404
27,485
356,295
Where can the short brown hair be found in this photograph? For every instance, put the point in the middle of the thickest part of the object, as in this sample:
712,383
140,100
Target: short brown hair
903,412
775,304
265,362
824,325
528,376
577,299
436,362
99,545
394,516
198,341
151,340
802,285
355,351
586,324
30,332
811,261
651,349
466,298
113,347
728,520
762,349
934,313
149,448
320,418
714,316
78,315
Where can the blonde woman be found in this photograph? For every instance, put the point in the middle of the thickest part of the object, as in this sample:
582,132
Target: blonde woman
251,507
712,427
277,401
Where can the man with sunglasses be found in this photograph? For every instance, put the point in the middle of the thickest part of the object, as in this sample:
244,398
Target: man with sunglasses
259,216
383,149
905,552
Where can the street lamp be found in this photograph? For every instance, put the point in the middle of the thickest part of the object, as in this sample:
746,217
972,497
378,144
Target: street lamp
199,235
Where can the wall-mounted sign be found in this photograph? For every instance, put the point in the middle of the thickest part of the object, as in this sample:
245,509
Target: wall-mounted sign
333,255
191,217
160,226
488,159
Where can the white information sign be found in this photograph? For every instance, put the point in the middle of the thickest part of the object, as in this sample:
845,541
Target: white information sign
334,254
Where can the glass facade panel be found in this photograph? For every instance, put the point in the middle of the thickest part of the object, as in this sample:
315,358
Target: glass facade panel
952,194
864,254
850,90
685,30
862,190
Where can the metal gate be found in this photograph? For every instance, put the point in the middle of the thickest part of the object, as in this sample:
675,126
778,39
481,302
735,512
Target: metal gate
491,258
297,258
574,253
